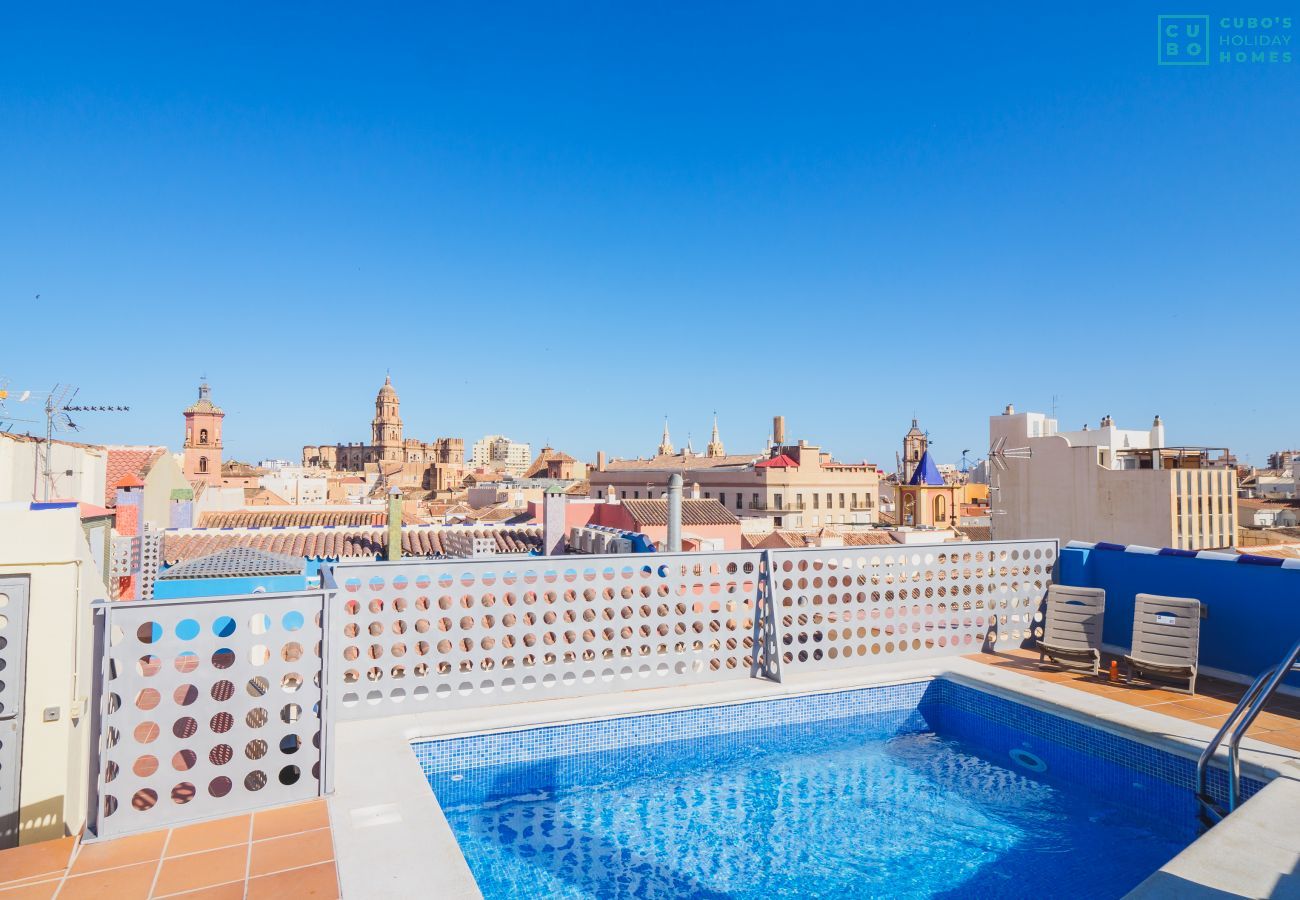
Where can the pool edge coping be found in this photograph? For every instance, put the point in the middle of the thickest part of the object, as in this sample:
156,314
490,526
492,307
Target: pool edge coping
384,808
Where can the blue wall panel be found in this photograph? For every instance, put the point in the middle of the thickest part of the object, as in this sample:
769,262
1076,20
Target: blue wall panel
1254,610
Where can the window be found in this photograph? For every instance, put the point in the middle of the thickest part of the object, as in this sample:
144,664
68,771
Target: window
203,463
841,501
754,503
814,520
624,495
203,435
776,501
739,499
706,496
853,499
830,501
940,508
636,495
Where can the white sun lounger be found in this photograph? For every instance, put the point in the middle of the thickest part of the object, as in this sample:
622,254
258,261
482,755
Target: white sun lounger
1072,637
1166,638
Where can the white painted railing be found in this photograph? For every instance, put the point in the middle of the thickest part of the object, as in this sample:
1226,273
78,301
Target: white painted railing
207,707
458,633
852,606
212,706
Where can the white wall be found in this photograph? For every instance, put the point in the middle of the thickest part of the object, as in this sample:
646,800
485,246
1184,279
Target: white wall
21,462
50,547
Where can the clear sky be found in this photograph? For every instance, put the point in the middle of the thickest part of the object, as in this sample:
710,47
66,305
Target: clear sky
563,221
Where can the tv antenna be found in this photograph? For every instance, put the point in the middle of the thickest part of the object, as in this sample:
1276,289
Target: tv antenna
999,453
58,405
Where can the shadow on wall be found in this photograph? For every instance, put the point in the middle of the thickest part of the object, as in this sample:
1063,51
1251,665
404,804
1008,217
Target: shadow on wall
42,821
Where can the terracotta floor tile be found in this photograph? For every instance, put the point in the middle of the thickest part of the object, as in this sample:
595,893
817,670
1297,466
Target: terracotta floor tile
209,835
291,851
1289,738
290,819
119,852
126,883
313,881
27,862
36,890
233,891
213,867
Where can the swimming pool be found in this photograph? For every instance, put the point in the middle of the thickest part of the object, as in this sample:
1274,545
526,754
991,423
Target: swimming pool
914,790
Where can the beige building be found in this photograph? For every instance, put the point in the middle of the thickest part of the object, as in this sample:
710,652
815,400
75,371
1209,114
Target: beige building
794,485
1124,486
436,466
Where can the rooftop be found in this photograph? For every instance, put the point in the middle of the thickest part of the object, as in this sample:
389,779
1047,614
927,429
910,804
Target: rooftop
695,512
235,562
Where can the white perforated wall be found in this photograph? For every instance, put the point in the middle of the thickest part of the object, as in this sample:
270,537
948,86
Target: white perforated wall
852,606
456,633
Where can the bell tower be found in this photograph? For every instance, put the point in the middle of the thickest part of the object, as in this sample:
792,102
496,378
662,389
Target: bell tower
203,438
386,427
915,443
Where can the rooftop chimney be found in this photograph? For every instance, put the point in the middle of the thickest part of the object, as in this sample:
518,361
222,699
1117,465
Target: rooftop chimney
675,512
394,524
554,502
600,460
1009,411
778,430
695,490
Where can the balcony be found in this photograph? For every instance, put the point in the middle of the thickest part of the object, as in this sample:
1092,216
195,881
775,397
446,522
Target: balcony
776,508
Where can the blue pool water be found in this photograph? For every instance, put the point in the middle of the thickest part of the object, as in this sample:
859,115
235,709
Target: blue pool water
906,791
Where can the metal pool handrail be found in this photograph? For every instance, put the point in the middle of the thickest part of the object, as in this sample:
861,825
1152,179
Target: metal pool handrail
1238,722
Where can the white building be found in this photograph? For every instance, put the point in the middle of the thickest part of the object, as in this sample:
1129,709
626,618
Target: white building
1111,484
297,485
496,451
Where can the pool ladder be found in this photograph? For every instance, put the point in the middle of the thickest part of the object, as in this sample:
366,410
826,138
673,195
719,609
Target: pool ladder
1239,722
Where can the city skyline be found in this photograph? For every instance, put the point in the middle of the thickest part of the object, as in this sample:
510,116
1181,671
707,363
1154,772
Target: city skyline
742,436
848,217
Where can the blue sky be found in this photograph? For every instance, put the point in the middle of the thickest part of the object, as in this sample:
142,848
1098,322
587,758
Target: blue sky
562,221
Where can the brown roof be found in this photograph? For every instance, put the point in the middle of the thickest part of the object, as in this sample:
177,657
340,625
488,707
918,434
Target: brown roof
124,461
581,489
546,455
296,518
976,532
675,463
341,543
694,512
783,539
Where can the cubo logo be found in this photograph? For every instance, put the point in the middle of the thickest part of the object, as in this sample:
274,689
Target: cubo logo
1183,40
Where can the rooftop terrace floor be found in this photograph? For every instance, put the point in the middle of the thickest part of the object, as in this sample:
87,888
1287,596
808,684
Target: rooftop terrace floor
1278,724
283,852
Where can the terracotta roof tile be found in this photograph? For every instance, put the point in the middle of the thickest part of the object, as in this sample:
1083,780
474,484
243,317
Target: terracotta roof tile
298,518
322,543
694,512
127,461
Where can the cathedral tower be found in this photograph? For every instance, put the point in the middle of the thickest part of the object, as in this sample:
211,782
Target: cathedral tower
386,427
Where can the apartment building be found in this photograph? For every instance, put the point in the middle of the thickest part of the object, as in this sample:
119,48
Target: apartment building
1125,486
496,451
